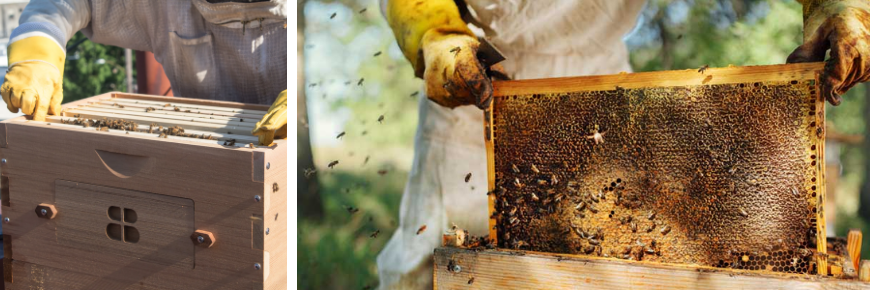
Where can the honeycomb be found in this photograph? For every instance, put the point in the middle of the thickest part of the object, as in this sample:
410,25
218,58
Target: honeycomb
720,175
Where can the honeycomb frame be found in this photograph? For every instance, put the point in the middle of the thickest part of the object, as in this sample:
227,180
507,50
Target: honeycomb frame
672,167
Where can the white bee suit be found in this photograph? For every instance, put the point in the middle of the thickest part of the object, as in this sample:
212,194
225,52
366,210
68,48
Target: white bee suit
220,51
541,39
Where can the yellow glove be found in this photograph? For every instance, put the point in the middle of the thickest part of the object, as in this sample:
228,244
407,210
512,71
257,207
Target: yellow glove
274,123
843,27
442,50
34,81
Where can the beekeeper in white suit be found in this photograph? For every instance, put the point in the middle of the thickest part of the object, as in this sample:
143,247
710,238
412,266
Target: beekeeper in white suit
232,50
541,39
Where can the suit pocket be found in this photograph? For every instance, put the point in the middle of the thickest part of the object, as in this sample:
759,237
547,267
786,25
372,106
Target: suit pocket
193,66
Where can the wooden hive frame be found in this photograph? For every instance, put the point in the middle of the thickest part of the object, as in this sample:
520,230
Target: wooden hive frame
166,192
712,76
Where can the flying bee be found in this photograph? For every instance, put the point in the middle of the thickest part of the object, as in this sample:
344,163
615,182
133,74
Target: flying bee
703,69
421,229
363,10
535,169
333,15
340,135
381,119
366,160
455,50
332,164
377,53
382,172
375,234
467,177
414,94
351,210
596,135
360,82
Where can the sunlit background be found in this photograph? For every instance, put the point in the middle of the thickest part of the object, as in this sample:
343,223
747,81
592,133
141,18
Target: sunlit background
354,72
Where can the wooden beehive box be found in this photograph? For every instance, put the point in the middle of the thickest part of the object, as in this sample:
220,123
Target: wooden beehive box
718,168
125,208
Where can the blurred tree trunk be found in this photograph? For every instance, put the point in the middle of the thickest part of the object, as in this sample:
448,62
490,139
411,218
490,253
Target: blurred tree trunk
864,194
308,196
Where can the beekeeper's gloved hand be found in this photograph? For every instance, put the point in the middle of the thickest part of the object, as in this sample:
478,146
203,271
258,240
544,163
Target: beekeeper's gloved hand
274,123
442,50
34,80
843,26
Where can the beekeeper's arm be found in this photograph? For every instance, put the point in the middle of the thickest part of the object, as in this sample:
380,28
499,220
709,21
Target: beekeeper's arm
442,50
36,51
843,26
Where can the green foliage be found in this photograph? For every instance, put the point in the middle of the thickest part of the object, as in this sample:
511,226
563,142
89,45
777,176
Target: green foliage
92,69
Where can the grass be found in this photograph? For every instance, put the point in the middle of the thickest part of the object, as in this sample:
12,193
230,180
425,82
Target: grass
338,252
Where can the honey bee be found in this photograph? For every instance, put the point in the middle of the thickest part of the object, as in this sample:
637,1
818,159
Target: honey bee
382,171
377,53
381,119
633,227
455,50
375,234
597,135
470,280
121,106
308,172
580,206
421,229
651,215
514,168
332,164
177,109
333,15
518,184
795,192
467,177
703,69
535,169
366,160
167,105
534,196
593,241
162,135
363,10
187,111
665,230
251,145
414,94
360,82
743,212
275,187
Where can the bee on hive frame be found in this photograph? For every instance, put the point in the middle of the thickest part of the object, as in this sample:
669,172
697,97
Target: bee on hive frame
597,135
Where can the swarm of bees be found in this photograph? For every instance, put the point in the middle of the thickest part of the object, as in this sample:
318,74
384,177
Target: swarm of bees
100,124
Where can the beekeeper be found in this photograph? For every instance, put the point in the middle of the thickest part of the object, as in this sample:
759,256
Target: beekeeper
541,39
231,50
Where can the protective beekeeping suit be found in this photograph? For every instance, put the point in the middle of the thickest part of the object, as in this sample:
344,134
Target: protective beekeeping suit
210,49
540,39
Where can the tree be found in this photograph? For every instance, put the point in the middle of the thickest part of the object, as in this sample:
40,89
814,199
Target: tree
92,69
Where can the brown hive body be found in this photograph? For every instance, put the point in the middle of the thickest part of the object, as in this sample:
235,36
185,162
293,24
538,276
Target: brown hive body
122,192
